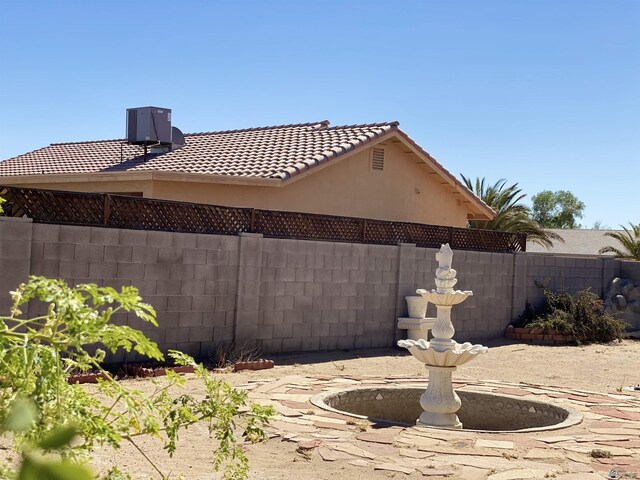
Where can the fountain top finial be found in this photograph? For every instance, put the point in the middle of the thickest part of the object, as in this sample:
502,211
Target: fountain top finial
445,275
445,256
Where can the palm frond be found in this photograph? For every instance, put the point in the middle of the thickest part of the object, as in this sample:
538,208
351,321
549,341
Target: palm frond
629,240
511,215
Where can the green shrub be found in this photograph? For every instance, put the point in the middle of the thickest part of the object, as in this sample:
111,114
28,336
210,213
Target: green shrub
558,321
582,315
41,413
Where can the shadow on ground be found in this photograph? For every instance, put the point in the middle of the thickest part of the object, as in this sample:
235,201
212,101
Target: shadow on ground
341,355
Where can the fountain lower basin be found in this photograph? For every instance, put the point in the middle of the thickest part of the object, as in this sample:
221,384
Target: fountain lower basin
480,411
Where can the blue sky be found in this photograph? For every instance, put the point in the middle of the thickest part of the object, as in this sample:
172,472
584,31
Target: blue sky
543,93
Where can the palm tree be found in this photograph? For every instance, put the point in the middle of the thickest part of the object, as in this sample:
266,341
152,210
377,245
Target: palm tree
629,240
511,216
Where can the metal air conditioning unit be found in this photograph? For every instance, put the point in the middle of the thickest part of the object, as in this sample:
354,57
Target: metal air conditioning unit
149,126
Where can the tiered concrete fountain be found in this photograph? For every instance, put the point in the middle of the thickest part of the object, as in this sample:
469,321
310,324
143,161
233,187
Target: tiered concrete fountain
442,355
439,405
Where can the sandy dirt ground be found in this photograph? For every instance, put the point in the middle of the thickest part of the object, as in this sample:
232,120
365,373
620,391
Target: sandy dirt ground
601,368
597,368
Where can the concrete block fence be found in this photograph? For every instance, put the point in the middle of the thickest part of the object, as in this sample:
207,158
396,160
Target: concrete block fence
283,295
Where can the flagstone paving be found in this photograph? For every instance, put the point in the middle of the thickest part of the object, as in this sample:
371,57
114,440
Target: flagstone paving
607,439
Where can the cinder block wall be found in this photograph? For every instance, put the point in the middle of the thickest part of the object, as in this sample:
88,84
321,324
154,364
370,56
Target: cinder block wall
284,295
326,296
490,276
15,256
189,279
630,270
575,273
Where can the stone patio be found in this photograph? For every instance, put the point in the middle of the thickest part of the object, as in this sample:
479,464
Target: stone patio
611,428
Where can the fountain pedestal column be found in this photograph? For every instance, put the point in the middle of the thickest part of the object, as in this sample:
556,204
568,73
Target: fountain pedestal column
439,402
442,330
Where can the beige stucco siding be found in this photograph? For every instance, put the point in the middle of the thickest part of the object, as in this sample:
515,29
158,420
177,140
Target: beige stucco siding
404,191
115,186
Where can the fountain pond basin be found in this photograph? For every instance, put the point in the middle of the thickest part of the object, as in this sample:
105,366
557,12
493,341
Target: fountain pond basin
483,412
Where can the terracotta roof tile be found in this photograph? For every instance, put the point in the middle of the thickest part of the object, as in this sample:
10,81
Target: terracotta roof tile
265,152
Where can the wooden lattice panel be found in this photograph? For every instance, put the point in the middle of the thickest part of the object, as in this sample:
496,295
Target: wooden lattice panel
392,233
487,240
146,214
432,236
379,232
48,206
273,223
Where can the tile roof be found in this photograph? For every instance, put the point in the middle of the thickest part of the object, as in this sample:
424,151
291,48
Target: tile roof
277,152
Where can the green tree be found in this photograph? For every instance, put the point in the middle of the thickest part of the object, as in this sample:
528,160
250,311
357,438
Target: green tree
599,225
559,209
511,215
629,240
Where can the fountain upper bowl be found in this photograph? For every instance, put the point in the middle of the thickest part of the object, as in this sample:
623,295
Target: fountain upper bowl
444,299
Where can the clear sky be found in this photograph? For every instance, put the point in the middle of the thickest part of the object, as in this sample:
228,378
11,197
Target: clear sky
543,93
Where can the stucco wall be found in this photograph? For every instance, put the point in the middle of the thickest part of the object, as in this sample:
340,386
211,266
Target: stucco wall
283,295
114,186
404,190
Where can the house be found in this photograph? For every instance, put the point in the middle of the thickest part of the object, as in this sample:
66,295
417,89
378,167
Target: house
373,171
577,242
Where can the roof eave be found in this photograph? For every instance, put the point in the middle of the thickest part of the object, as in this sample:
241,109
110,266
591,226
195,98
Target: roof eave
483,211
129,176
209,178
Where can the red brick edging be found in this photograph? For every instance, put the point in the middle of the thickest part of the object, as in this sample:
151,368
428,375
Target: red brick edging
537,336
131,370
256,365
86,378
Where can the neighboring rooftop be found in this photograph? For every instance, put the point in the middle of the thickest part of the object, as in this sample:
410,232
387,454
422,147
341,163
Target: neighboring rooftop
276,152
577,242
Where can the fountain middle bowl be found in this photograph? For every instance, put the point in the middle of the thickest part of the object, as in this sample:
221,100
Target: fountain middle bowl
458,354
444,299
485,412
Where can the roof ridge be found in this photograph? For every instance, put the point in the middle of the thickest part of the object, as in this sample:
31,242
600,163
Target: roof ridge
394,123
322,123
87,141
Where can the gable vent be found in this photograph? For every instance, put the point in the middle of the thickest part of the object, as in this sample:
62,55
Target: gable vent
377,158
